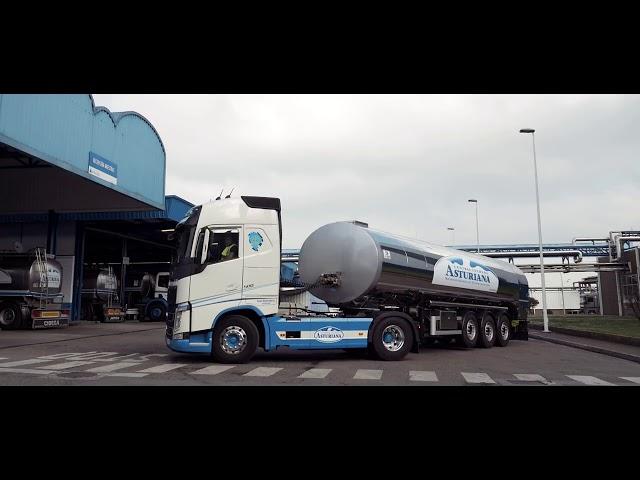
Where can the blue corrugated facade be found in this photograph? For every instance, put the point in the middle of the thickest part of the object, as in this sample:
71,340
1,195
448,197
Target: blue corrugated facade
63,129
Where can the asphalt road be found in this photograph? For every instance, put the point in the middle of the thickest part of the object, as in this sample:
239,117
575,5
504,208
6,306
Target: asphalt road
135,354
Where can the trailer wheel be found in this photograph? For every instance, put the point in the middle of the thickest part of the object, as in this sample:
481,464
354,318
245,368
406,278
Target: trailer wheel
487,336
10,316
392,339
503,331
234,340
469,330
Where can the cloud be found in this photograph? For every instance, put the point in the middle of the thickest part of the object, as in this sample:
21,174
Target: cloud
409,163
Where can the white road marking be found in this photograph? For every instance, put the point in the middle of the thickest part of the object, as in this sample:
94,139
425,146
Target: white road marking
363,374
422,376
65,365
531,377
25,370
166,367
262,372
146,357
19,363
632,379
316,373
113,367
588,380
128,375
4,358
213,370
477,377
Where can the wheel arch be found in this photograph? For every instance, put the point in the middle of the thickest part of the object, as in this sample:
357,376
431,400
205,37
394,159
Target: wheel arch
252,313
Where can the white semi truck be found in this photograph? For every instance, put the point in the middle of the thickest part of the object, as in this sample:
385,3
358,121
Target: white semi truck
388,294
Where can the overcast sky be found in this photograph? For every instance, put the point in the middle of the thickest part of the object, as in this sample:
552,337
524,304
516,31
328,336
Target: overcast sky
408,163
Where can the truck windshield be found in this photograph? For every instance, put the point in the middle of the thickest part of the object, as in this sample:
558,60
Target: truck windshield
185,232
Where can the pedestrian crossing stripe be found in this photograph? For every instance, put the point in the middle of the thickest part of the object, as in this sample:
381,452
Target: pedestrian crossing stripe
130,367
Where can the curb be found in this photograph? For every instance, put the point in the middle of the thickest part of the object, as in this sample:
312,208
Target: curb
607,337
590,348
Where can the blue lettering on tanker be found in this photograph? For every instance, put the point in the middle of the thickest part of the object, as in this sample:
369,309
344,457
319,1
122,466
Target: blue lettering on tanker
464,273
255,240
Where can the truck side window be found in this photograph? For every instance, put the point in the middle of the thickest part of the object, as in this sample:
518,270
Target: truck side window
223,246
163,281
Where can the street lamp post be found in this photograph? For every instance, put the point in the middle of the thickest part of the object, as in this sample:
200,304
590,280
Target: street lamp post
477,229
453,235
535,169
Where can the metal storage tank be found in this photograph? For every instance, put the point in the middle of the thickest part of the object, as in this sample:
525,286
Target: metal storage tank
371,262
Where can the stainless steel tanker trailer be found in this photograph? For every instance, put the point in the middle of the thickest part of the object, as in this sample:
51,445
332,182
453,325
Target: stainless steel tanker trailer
386,294
30,291
100,300
447,293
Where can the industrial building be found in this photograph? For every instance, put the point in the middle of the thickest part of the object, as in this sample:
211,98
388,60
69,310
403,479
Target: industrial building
88,185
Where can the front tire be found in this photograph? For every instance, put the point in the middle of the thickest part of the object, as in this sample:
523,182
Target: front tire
392,339
157,312
234,340
10,316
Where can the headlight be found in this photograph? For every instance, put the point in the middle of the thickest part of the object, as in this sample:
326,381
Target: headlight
183,307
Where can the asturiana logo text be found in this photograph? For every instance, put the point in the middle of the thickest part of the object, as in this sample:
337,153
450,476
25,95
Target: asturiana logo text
328,335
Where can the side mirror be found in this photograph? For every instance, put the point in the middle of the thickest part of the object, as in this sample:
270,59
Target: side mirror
205,247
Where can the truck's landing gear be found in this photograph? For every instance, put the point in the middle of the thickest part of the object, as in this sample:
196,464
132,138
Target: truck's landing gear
392,339
10,316
234,340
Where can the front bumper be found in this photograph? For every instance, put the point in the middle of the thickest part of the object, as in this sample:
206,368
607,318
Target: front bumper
187,346
39,323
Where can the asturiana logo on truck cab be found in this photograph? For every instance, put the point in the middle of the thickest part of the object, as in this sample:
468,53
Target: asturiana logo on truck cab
464,273
328,334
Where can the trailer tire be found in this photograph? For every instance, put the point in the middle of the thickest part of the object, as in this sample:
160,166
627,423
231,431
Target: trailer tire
503,331
10,316
469,337
487,334
234,340
392,339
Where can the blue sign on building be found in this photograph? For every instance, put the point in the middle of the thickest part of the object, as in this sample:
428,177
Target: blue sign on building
103,168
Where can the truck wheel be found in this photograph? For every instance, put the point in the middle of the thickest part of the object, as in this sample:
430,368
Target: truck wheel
487,336
157,312
234,340
469,330
392,338
10,316
503,331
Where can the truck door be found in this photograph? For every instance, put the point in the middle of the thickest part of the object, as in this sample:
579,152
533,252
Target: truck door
261,281
218,284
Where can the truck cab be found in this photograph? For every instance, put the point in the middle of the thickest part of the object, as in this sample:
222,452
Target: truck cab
228,260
